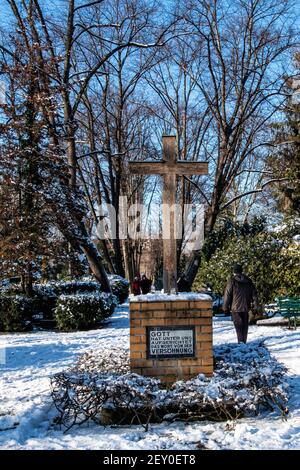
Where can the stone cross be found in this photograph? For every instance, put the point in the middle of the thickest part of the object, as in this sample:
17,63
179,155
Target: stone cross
169,167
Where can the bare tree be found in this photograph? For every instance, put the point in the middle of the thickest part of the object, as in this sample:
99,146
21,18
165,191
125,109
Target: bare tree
117,127
216,79
60,49
242,84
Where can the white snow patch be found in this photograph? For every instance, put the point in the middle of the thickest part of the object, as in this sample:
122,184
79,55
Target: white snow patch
26,409
160,297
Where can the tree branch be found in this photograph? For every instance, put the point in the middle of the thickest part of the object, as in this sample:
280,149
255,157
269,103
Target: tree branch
275,180
100,151
198,187
14,56
96,2
113,51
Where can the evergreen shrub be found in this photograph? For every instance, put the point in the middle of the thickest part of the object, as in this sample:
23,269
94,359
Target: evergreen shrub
83,311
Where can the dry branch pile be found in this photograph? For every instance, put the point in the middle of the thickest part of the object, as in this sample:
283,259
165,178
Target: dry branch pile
101,388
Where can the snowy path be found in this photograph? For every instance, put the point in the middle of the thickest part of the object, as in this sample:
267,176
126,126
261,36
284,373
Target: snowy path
26,409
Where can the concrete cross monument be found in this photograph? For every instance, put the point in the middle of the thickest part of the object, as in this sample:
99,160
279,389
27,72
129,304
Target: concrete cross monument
170,335
170,168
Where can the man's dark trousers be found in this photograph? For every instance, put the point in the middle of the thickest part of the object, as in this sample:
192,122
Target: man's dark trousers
241,321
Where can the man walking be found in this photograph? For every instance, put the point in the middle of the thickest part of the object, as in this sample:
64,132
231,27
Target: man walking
239,296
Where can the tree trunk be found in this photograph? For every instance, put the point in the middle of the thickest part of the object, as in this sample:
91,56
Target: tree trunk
96,265
28,283
193,267
107,256
129,270
118,262
196,259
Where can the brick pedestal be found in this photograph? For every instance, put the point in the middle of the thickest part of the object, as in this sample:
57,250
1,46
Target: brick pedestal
190,312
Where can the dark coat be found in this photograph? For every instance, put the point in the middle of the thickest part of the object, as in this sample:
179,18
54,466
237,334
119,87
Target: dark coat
240,294
145,284
136,289
183,285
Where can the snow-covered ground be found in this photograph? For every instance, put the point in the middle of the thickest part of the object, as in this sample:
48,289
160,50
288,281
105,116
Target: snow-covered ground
26,409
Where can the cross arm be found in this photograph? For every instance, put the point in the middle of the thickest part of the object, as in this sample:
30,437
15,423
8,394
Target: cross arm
191,168
180,168
148,168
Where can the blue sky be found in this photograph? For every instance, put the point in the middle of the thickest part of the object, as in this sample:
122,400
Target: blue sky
54,4
5,15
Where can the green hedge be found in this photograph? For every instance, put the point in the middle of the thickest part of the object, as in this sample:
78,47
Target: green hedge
119,287
43,300
272,262
83,311
91,306
73,287
15,312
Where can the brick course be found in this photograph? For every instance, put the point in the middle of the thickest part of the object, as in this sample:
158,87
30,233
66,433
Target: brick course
197,313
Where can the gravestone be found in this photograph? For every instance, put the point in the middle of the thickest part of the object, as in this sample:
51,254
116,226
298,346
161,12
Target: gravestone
170,335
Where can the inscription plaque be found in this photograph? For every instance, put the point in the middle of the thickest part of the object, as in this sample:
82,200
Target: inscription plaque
170,341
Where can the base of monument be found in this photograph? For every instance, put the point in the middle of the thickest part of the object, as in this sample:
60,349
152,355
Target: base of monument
123,416
171,336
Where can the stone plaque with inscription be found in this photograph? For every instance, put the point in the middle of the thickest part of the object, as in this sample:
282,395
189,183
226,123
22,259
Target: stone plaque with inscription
170,342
